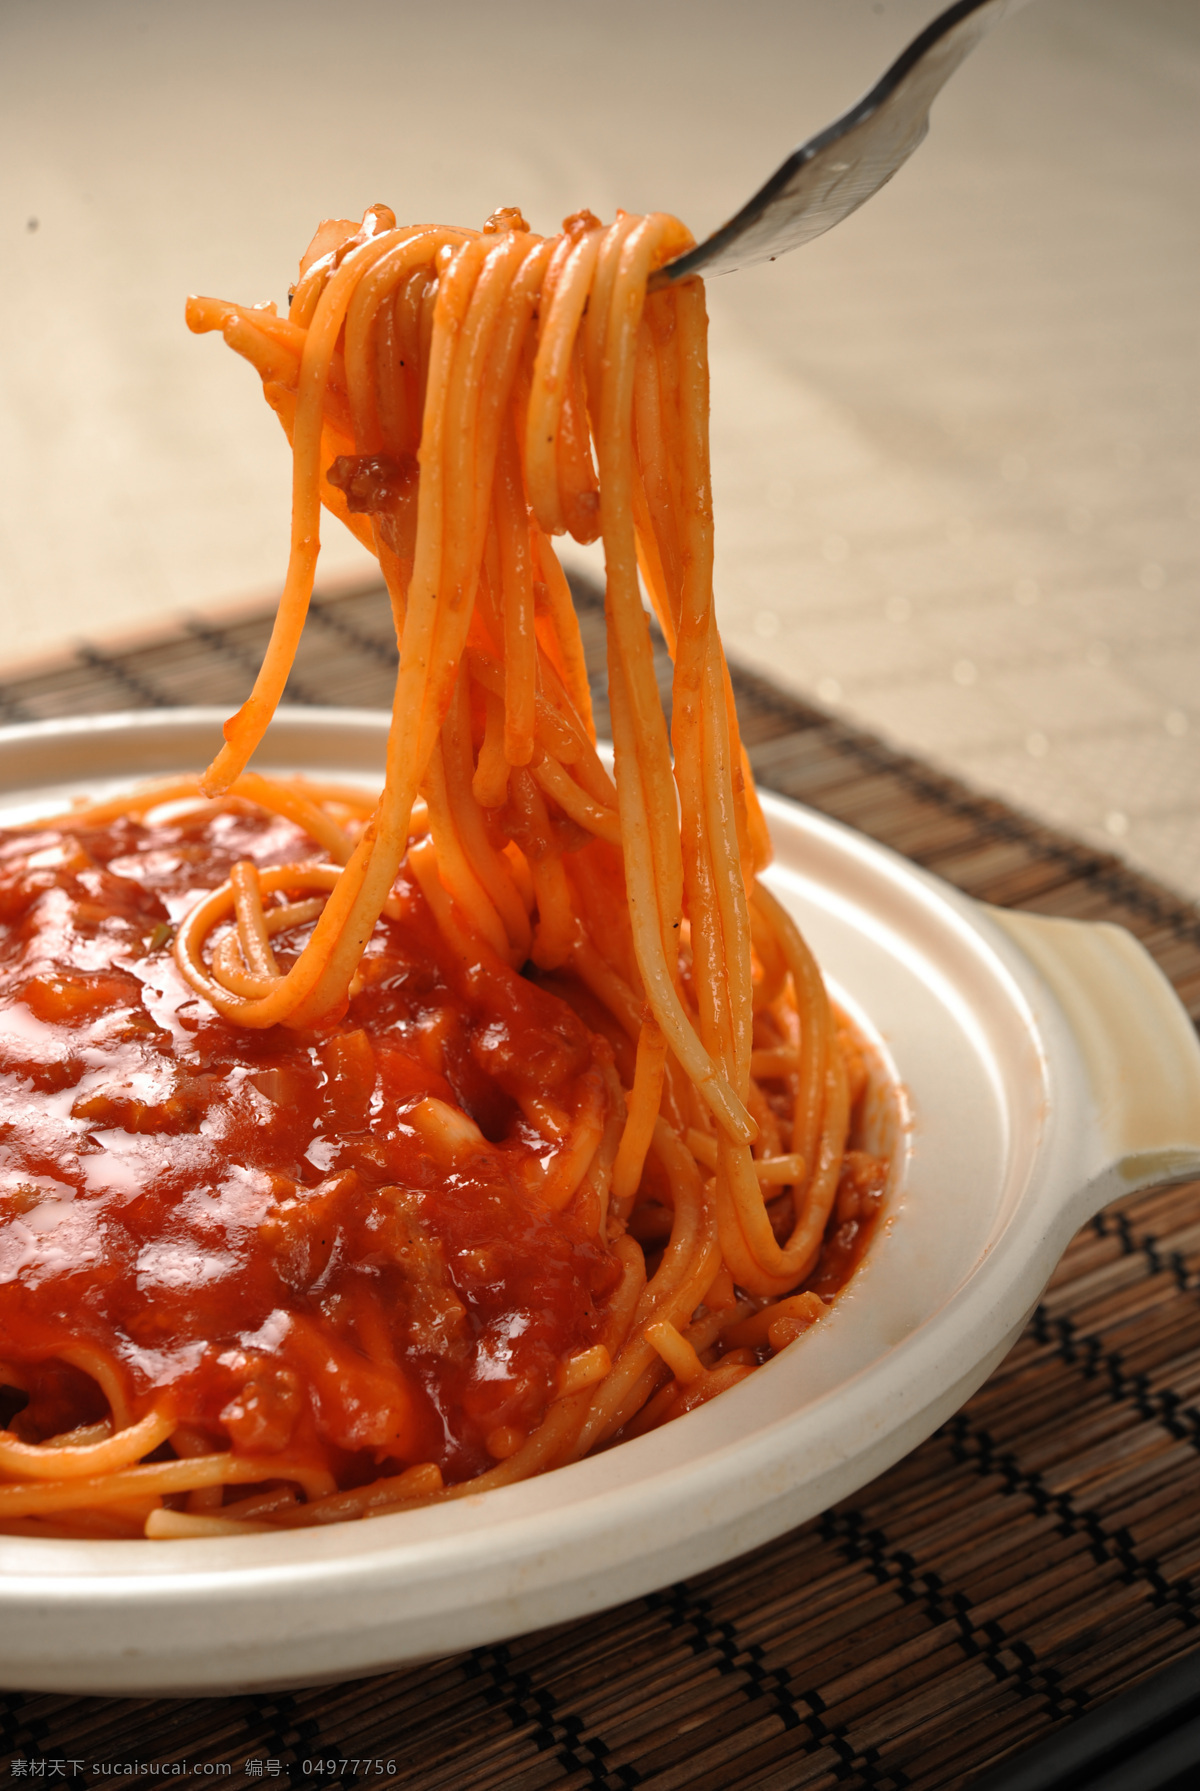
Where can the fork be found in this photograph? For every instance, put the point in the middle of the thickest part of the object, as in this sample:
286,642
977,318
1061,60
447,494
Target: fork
839,169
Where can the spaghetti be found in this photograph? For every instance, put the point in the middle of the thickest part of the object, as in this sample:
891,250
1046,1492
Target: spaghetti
361,1153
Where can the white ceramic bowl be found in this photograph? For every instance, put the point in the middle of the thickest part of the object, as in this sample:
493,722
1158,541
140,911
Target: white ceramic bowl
1046,1066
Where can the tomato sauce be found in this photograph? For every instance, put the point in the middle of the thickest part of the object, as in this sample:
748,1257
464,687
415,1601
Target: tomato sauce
266,1224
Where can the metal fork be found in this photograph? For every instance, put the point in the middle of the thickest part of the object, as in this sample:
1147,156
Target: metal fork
840,168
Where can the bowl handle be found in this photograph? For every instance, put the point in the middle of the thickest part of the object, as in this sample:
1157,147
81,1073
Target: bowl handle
1139,1049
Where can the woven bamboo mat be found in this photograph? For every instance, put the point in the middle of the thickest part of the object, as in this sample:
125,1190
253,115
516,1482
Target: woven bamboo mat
1035,1557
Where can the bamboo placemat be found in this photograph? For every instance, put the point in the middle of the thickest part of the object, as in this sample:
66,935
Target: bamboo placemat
1035,1557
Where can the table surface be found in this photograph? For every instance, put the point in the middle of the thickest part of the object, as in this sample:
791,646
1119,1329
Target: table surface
1036,1556
955,440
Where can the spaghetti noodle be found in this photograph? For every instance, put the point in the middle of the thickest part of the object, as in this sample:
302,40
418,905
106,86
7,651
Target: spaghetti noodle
361,1153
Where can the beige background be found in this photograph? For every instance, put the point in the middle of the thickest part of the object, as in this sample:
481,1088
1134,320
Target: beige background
955,440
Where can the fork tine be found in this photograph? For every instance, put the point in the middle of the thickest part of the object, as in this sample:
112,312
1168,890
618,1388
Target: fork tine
839,169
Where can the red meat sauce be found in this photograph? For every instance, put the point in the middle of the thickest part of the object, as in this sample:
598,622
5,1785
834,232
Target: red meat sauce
253,1221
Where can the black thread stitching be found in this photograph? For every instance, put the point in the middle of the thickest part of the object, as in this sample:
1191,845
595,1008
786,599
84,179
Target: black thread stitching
123,674
1085,1351
975,1448
244,658
686,1608
329,616
279,1716
988,1642
527,1704
35,1739
17,1732
1118,1225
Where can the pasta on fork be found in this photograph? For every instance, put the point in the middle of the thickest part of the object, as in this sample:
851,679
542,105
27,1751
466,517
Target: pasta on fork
396,1148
